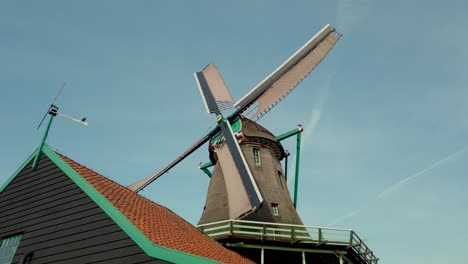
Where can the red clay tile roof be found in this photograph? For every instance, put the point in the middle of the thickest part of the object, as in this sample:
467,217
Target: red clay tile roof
158,223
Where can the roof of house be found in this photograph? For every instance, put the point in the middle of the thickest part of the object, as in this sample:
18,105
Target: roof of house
157,230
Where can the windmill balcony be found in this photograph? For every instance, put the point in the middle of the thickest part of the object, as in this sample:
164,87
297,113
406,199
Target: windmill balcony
343,243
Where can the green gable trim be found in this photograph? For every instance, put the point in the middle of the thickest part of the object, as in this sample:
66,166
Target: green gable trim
151,249
28,160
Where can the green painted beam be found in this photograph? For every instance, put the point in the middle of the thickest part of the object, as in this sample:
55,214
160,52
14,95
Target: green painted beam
25,163
41,145
204,167
289,134
206,171
296,176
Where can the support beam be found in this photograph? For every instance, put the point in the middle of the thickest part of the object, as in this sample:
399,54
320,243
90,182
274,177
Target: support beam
204,167
296,176
289,134
44,137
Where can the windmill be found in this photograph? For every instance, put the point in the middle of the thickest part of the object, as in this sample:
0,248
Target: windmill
236,190
248,206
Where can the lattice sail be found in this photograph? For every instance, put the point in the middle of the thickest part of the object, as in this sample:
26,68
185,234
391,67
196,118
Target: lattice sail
214,82
286,77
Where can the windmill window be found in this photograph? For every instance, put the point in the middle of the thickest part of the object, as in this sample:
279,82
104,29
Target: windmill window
279,178
256,154
275,209
8,248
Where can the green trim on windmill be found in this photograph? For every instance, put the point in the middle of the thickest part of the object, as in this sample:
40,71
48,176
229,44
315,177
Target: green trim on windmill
150,248
204,167
289,134
284,136
236,127
296,176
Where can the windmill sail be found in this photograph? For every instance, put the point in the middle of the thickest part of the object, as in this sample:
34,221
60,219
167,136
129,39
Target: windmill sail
217,86
242,189
266,95
244,195
286,77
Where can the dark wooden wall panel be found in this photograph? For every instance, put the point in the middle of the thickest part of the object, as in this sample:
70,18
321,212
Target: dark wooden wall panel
60,223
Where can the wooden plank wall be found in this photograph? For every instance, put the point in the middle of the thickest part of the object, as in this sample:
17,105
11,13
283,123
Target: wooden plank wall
60,223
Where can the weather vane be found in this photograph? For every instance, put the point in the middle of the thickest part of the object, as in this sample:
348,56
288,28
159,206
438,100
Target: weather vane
53,112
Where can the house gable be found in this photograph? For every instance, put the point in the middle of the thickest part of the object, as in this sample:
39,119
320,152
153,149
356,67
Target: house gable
55,175
59,223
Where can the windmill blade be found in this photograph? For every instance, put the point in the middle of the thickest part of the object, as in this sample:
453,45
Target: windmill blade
232,161
141,184
288,75
244,195
215,87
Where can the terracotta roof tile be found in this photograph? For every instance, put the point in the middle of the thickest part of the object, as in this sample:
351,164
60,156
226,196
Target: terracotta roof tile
158,223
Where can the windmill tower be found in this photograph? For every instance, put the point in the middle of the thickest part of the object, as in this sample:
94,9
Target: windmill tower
248,205
262,153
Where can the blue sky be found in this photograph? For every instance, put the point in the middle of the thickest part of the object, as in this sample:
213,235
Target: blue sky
386,134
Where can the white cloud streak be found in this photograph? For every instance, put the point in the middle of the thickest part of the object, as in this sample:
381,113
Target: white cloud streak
398,185
316,113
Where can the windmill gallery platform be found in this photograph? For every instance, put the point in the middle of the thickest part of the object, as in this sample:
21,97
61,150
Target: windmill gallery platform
54,210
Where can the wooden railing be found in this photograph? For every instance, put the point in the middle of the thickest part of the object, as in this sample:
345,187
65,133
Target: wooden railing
289,233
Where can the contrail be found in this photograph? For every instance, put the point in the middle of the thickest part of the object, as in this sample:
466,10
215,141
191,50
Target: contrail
396,186
343,217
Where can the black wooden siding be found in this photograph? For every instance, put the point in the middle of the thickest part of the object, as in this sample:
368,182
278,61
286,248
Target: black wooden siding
60,223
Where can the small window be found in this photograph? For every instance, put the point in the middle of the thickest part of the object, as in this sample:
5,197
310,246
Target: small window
8,249
275,209
279,179
256,153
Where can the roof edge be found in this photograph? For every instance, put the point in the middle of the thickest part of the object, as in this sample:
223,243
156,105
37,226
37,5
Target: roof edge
150,248
25,163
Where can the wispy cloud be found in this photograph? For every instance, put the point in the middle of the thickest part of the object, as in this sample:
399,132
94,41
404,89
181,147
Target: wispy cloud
316,113
398,185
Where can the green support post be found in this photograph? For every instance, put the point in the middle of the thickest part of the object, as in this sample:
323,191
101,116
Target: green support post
296,179
44,137
204,167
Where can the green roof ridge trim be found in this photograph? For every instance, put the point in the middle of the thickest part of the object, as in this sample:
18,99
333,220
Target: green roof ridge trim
150,248
28,160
